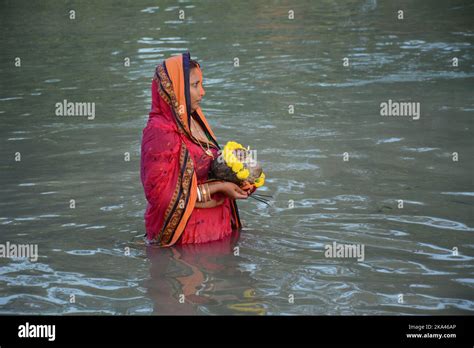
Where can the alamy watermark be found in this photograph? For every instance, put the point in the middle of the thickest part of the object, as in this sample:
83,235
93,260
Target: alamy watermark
37,331
248,156
394,108
66,108
345,251
19,251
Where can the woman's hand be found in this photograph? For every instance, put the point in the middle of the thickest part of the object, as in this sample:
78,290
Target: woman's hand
249,188
229,189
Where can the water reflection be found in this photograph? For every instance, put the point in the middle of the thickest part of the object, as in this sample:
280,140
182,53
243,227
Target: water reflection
201,279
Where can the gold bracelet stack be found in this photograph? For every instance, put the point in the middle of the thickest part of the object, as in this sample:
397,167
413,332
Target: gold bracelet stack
204,194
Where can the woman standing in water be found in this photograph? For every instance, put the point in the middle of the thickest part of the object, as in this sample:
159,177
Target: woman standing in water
178,146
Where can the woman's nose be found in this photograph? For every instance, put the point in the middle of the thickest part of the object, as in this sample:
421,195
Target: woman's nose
203,92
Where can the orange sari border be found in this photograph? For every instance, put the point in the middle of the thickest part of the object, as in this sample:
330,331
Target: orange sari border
182,203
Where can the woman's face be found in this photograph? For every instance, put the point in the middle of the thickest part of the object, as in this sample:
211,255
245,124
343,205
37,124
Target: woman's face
196,90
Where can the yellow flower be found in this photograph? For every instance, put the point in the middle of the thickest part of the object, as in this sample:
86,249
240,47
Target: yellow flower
228,153
232,145
228,156
260,180
243,174
231,160
237,166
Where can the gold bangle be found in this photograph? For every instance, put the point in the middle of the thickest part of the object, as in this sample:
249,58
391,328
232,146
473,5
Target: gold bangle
208,190
204,192
199,194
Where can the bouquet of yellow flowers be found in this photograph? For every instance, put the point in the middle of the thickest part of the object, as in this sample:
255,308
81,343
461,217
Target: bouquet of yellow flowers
238,165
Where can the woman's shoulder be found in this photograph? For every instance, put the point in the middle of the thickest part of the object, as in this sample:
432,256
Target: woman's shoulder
156,125
159,135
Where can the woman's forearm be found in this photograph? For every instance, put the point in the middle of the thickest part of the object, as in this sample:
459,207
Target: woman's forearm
204,191
229,189
215,186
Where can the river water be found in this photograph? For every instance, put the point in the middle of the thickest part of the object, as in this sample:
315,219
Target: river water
338,171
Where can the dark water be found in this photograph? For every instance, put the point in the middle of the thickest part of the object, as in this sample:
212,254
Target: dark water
94,251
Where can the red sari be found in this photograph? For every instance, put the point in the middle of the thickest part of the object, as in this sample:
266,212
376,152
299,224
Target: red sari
173,164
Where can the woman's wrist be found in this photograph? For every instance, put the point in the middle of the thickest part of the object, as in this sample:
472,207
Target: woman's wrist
215,186
207,189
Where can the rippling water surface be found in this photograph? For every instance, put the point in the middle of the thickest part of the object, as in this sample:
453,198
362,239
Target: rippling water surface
94,251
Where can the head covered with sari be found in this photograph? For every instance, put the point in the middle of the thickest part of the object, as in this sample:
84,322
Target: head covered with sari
170,154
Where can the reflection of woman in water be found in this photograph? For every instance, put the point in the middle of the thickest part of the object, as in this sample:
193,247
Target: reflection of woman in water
201,278
178,146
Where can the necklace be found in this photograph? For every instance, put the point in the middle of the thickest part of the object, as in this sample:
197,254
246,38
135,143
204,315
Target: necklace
203,136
